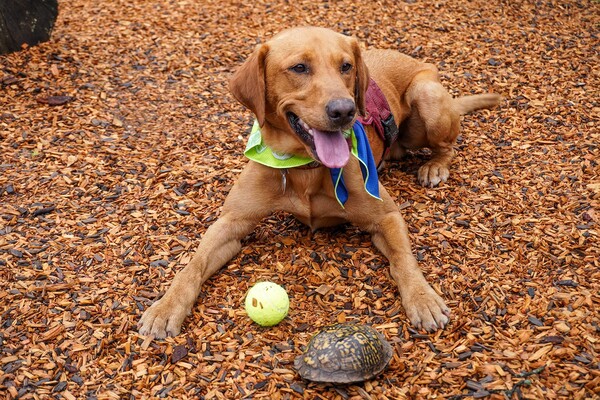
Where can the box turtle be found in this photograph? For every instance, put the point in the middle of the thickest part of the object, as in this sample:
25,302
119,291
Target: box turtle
344,353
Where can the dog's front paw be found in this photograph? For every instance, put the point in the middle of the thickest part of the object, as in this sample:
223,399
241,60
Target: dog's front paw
426,309
433,173
162,319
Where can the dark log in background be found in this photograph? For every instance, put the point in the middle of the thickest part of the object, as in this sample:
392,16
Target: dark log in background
25,22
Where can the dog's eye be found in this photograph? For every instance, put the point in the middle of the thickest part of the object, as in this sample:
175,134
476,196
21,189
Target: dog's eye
346,67
299,68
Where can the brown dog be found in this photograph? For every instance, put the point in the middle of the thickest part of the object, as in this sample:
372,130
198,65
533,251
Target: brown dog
305,86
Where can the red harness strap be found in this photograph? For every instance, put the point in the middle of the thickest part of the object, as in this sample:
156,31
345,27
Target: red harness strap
379,115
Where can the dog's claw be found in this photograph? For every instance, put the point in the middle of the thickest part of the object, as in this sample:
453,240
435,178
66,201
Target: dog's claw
426,309
162,320
432,174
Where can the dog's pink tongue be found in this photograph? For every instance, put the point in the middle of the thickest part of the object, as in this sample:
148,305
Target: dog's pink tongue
332,148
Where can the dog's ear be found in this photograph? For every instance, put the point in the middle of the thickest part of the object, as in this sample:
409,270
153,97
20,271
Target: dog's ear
362,78
248,83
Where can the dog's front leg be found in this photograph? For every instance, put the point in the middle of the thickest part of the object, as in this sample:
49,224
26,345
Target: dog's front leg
244,207
220,243
423,306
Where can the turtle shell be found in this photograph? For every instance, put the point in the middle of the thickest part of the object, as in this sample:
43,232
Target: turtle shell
344,353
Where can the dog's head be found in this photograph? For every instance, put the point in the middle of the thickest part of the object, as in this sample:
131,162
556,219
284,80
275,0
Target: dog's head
305,86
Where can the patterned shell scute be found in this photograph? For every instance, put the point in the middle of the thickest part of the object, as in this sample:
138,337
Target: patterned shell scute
344,353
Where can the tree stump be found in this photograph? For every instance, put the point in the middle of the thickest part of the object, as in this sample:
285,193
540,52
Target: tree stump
25,22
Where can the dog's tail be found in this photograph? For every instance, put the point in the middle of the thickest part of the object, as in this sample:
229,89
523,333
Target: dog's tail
466,104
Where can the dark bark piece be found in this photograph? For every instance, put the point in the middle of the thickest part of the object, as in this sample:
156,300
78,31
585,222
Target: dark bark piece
55,100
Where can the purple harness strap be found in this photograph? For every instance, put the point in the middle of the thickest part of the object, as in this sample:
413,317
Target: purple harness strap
379,115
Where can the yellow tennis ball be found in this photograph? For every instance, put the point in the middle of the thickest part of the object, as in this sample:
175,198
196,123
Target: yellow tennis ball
267,303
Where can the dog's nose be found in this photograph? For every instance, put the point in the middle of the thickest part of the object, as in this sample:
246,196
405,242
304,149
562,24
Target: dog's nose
340,111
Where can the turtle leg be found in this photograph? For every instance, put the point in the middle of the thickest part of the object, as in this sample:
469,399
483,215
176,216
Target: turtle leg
423,306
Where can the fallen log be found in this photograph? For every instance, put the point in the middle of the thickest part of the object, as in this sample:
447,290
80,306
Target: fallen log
25,22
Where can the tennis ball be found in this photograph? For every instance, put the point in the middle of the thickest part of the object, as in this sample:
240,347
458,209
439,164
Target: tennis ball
267,303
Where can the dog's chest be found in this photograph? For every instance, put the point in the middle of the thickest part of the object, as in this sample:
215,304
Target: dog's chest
310,198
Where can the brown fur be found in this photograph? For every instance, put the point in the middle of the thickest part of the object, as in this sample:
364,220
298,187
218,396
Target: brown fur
266,84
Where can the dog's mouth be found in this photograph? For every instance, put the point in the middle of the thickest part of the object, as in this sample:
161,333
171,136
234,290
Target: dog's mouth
331,148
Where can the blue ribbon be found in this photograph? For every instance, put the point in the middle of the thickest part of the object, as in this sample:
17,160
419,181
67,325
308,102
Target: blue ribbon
367,166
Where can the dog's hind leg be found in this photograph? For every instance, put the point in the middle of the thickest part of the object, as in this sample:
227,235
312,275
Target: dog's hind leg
433,123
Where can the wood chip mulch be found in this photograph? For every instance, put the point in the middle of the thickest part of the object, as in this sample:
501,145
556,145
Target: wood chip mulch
119,141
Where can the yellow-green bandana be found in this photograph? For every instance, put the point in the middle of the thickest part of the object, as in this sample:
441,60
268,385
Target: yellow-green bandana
257,151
